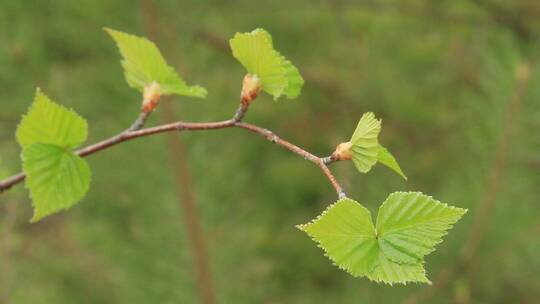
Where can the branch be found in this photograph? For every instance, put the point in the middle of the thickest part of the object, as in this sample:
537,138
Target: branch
133,133
272,137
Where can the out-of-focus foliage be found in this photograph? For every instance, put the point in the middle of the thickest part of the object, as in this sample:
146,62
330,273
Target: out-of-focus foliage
456,82
256,52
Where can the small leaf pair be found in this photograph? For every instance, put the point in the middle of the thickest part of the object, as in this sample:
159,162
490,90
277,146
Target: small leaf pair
56,177
409,226
255,51
364,148
145,68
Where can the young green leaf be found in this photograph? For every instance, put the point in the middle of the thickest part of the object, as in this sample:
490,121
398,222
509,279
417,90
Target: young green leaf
143,64
389,272
256,53
50,123
386,158
346,233
365,143
55,176
411,224
394,251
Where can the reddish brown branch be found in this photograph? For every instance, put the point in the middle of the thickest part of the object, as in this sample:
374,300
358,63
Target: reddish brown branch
194,126
269,135
11,181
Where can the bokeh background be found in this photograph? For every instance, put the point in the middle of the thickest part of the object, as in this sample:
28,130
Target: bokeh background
209,217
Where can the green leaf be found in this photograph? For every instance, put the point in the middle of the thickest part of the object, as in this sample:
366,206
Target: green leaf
56,177
365,144
256,53
411,224
295,82
144,64
389,272
50,123
346,233
386,158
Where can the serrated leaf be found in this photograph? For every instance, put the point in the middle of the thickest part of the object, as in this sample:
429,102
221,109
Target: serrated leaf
256,53
56,177
144,64
365,143
346,233
390,272
386,158
50,123
411,224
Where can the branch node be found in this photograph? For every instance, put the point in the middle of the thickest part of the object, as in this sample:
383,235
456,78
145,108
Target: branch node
328,159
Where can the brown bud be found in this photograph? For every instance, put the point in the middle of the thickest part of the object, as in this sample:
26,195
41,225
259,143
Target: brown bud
251,86
151,95
343,151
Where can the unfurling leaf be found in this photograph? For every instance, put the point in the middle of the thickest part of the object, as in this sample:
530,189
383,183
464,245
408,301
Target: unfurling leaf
365,143
409,225
364,148
256,53
386,158
143,64
56,177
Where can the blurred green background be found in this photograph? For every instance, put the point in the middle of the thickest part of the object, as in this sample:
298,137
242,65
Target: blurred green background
456,82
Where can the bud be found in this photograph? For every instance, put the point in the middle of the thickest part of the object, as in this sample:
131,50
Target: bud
251,86
343,151
151,95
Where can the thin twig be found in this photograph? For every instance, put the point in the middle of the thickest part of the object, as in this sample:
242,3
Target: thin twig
192,126
272,137
9,182
140,121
